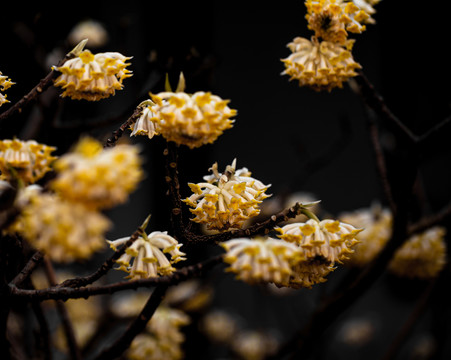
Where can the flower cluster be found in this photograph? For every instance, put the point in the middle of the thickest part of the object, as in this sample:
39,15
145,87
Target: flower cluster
163,337
325,61
377,229
226,200
66,231
98,177
145,125
148,255
92,77
5,84
187,119
422,256
264,260
323,244
28,160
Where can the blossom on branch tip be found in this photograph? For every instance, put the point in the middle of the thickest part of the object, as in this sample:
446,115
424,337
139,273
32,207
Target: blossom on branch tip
264,260
64,230
92,77
145,124
191,120
5,83
146,257
320,65
226,200
97,177
422,256
27,160
331,20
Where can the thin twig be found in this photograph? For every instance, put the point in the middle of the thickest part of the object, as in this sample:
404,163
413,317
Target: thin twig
111,142
74,351
104,268
34,261
64,293
432,220
43,85
136,327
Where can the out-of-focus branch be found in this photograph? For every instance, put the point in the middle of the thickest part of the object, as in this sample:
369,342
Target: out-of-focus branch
74,351
136,327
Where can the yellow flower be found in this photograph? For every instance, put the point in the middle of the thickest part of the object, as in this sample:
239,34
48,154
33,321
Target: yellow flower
332,19
64,230
320,65
422,255
28,160
219,326
323,243
97,177
5,84
368,7
226,200
145,125
191,120
264,260
163,337
148,255
88,29
377,228
93,77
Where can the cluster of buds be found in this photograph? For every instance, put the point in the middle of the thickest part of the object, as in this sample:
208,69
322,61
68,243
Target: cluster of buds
192,120
5,83
91,76
27,161
325,61
226,200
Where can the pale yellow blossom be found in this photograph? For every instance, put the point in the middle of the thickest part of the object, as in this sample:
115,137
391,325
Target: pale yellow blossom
321,65
97,177
146,257
422,256
5,83
93,77
27,160
191,119
262,260
226,200
90,29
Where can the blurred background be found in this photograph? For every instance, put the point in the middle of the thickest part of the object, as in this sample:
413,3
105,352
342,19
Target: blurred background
298,140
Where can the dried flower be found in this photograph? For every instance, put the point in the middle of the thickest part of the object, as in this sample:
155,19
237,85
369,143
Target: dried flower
148,255
97,177
5,84
64,230
88,29
93,77
191,120
422,256
332,19
226,200
27,160
264,260
145,125
320,65
376,223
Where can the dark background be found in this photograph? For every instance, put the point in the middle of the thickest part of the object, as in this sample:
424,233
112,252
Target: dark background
293,138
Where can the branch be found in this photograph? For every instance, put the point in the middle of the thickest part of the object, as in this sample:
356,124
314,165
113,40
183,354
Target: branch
136,327
183,231
111,142
67,326
64,293
102,270
43,85
429,221
34,261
